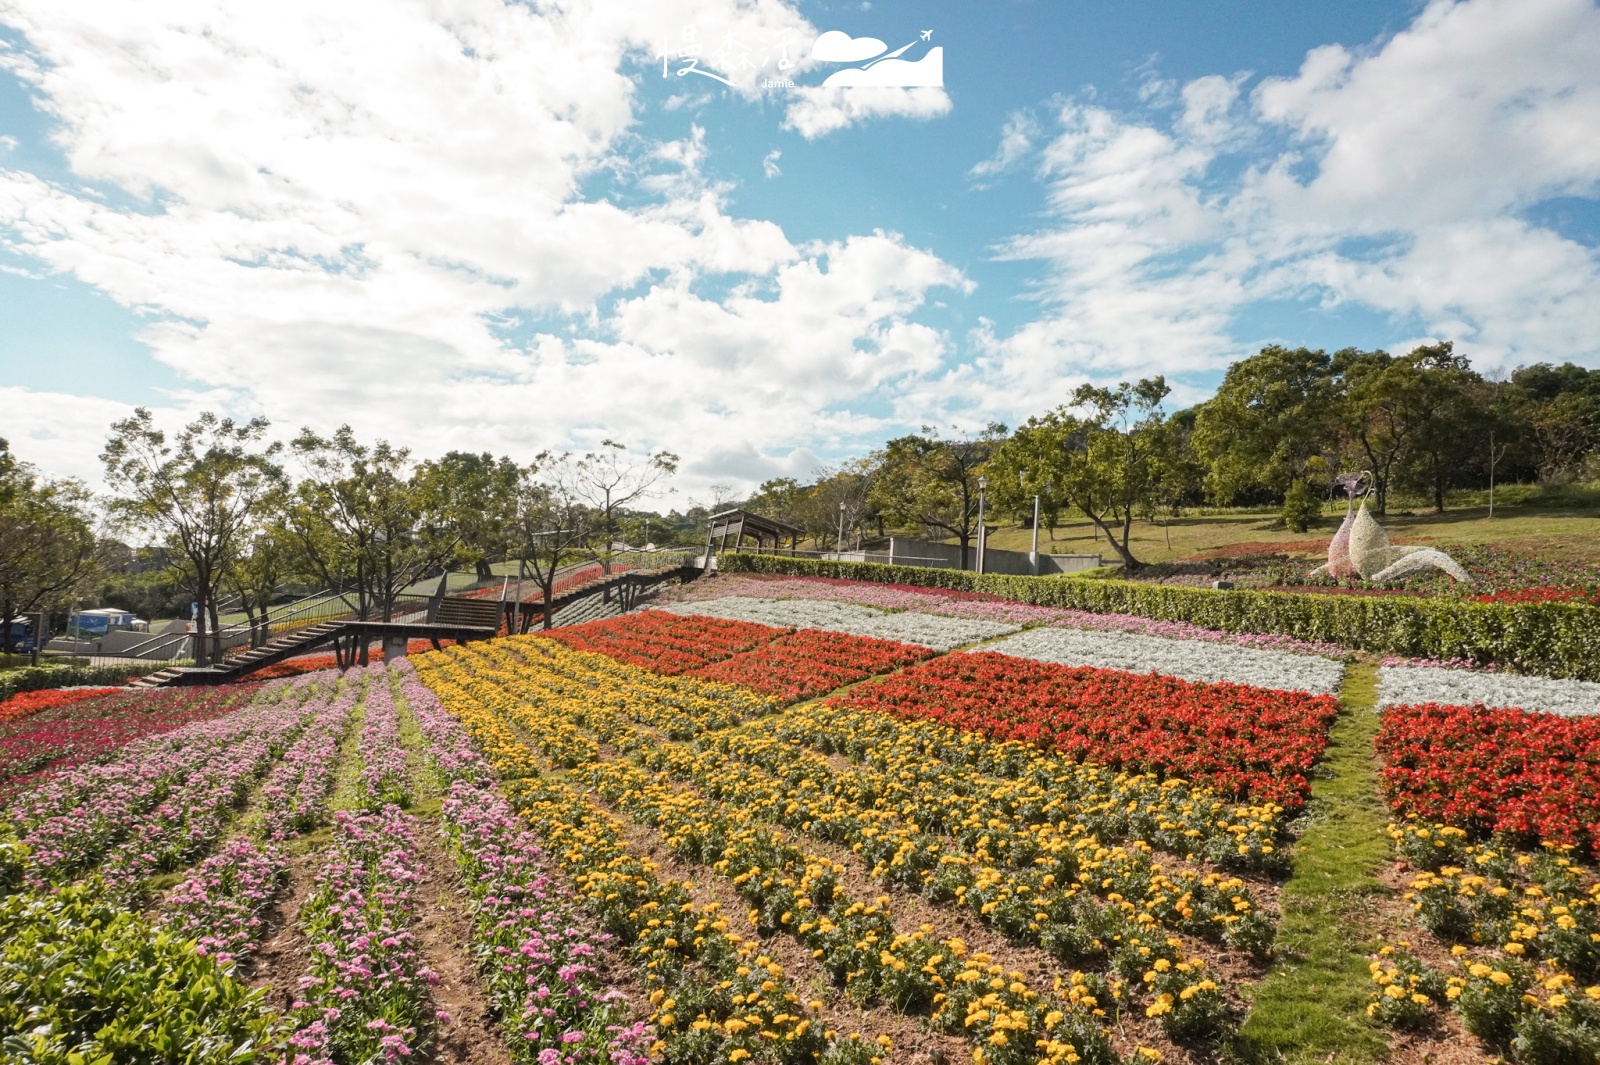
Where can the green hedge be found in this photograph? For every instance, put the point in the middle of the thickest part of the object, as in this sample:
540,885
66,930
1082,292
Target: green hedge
1553,639
33,678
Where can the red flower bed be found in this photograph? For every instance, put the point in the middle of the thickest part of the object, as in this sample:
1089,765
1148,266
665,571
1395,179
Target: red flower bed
666,643
1533,776
89,728
29,703
1241,740
810,662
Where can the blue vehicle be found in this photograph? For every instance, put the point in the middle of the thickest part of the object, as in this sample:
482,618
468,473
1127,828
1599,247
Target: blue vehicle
23,636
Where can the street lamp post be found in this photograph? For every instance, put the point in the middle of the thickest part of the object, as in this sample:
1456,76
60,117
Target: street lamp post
1033,555
983,540
838,547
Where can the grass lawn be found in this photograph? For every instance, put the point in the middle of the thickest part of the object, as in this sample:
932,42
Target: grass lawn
1563,527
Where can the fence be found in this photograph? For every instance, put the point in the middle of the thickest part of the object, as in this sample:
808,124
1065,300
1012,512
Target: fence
904,551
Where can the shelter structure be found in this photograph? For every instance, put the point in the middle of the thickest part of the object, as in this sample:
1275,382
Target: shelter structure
768,533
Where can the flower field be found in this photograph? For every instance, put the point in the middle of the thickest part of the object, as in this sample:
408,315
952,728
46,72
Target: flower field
782,830
1494,780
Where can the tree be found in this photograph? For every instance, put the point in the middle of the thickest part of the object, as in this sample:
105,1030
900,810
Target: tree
552,526
1385,407
1452,423
933,482
842,492
781,499
1109,462
256,575
200,493
1270,425
611,479
48,547
483,490
363,518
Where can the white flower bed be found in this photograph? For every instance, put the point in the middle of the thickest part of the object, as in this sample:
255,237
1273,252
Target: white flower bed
1410,685
1189,659
926,630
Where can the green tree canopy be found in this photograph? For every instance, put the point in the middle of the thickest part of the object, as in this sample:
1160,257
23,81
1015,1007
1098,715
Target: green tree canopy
362,517
932,482
199,494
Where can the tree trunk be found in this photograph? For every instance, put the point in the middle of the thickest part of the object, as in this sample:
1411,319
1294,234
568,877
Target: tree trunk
5,627
484,572
966,538
549,590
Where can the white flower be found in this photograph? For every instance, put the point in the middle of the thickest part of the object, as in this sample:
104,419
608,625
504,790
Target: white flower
1188,659
926,630
1410,685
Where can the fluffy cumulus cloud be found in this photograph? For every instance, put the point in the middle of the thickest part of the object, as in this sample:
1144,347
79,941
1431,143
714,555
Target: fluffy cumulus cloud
1399,178
331,224
817,110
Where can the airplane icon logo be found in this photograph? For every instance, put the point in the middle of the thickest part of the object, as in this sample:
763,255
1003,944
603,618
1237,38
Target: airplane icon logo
879,67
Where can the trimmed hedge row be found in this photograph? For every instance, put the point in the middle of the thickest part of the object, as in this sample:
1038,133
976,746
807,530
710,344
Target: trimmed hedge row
35,678
1552,639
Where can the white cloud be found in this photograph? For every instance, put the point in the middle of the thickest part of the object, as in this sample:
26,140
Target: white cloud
769,163
326,224
1400,188
1017,138
816,110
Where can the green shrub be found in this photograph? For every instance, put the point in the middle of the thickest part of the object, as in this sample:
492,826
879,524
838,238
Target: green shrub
35,678
1553,639
1301,506
83,982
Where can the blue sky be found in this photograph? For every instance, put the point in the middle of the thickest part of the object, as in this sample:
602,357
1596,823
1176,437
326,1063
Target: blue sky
507,231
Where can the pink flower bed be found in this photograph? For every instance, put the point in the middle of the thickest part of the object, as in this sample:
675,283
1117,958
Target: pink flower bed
981,607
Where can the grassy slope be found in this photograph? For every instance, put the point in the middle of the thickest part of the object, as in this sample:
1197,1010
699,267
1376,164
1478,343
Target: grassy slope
1561,527
1311,1006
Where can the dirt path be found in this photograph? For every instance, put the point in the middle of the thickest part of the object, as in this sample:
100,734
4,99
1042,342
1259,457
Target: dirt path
284,957
443,929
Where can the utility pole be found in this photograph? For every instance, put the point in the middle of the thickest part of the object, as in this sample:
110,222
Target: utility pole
1494,460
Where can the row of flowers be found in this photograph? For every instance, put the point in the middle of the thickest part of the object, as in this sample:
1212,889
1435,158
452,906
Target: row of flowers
1024,786
978,606
1532,777
929,630
164,795
1243,741
366,995
220,904
294,797
192,816
743,1004
26,704
666,642
385,776
1523,933
95,728
792,891
1406,685
539,961
1040,893
1044,904
1208,662
810,663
